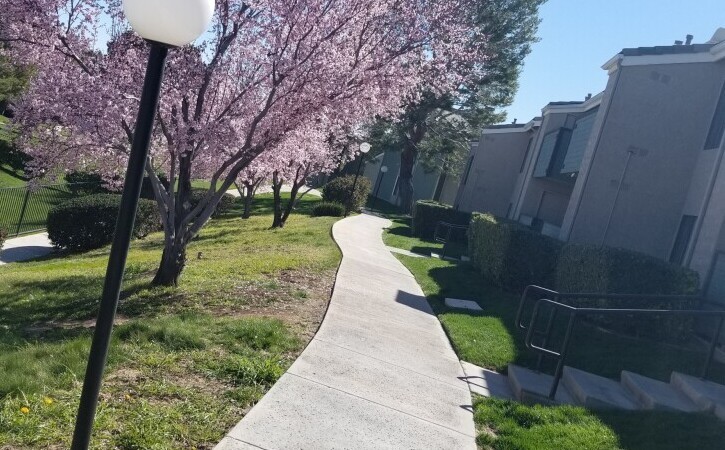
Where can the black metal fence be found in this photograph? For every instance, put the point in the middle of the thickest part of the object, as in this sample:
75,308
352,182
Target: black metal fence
25,209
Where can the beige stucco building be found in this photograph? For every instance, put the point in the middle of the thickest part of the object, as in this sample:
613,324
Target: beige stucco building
639,166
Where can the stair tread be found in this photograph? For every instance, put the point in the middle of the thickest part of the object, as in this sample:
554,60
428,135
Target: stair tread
537,383
655,394
595,391
706,394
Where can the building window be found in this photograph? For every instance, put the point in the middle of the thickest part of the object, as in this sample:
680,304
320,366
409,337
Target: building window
468,169
578,143
684,234
548,145
552,153
439,187
526,155
714,136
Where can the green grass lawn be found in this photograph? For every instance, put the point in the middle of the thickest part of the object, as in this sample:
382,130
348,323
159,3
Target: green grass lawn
9,177
505,425
186,363
39,203
490,339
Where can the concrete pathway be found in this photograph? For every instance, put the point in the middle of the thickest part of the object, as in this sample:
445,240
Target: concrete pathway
25,248
379,374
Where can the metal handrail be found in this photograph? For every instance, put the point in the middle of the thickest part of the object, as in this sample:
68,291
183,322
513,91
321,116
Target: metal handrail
555,295
575,313
446,240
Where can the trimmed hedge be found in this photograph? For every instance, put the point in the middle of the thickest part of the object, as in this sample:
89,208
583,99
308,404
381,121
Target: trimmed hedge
510,255
89,222
3,237
339,190
85,183
330,209
589,268
225,204
427,214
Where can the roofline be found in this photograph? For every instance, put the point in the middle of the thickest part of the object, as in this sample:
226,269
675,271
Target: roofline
716,53
534,123
576,108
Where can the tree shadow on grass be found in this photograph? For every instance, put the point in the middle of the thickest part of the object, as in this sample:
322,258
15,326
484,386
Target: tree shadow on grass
263,204
74,298
658,430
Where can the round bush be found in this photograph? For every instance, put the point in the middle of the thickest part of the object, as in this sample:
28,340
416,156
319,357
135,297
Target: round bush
225,204
89,222
85,183
339,190
330,209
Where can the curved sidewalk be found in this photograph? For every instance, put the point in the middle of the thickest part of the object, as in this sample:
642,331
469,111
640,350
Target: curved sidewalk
379,374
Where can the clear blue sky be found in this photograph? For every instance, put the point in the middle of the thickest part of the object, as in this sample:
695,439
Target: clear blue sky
578,36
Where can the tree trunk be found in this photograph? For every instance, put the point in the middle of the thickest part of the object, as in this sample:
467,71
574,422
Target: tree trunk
405,180
249,189
173,259
278,221
172,264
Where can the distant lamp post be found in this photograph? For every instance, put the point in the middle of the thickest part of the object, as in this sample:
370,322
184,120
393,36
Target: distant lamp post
383,171
364,149
164,24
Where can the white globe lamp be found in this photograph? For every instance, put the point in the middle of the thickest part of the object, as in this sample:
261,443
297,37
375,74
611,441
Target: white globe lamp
171,22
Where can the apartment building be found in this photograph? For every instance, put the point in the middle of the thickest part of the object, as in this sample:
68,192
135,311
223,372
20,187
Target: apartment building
638,166
427,185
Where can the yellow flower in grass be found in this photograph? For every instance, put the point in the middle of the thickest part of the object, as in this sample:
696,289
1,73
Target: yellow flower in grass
24,410
48,401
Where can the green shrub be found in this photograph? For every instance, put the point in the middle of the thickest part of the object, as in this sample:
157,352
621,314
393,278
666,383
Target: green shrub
339,190
147,189
3,237
596,269
331,209
85,183
427,214
510,255
225,204
89,222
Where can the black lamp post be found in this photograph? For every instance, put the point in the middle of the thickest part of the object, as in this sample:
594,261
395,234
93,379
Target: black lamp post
364,149
191,19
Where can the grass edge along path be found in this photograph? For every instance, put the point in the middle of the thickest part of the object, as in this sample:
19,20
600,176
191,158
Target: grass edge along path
187,363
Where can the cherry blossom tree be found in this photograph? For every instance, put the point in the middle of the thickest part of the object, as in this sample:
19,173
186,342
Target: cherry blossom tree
248,181
266,69
309,151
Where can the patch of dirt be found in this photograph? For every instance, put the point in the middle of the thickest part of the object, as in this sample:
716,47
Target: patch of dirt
297,297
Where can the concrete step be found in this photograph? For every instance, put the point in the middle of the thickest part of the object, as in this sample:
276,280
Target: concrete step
597,392
533,387
655,394
708,396
720,411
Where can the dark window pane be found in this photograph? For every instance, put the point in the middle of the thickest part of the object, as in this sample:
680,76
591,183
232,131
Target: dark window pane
468,170
718,123
548,145
684,234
